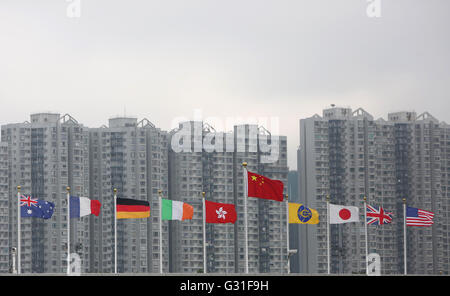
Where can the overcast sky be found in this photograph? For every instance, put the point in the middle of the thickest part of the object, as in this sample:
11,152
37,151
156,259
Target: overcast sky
164,59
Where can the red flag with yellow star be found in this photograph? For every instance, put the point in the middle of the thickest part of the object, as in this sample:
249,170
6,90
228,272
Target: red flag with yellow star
262,187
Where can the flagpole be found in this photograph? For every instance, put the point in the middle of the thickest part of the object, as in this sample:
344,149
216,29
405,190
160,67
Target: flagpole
160,233
328,233
115,230
365,230
204,232
287,234
244,164
18,230
68,229
404,236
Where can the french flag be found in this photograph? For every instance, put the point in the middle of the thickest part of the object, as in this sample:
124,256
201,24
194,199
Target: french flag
82,206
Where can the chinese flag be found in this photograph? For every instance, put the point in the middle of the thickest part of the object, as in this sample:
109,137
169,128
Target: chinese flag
262,187
220,212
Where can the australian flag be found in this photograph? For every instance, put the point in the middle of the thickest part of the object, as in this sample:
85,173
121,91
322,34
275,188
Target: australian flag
32,207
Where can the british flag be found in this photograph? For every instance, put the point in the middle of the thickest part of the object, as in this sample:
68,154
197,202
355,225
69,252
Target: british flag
377,215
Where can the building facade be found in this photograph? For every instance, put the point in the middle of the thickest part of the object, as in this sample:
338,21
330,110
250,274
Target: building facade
347,155
214,165
131,157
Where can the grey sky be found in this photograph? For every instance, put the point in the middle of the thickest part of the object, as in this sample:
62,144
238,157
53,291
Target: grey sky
163,59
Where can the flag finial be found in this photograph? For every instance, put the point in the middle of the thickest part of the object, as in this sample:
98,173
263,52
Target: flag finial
68,188
18,188
203,193
115,190
404,200
287,196
365,198
244,164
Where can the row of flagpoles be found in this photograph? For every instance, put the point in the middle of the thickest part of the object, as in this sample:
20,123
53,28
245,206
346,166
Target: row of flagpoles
255,185
260,187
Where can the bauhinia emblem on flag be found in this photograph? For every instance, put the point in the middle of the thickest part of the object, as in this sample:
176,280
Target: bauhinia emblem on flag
260,186
176,210
301,214
343,214
33,207
132,208
418,217
83,206
377,215
219,212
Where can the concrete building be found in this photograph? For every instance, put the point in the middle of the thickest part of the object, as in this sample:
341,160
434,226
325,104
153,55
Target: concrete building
45,156
132,157
217,170
5,249
347,155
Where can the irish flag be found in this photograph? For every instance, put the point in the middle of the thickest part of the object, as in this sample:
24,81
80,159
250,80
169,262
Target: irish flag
176,210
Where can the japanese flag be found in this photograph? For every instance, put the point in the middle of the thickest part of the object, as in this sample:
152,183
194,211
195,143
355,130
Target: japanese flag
343,214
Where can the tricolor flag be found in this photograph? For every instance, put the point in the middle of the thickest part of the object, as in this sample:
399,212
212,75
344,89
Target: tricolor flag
132,208
343,214
260,186
82,206
301,214
219,212
418,217
176,210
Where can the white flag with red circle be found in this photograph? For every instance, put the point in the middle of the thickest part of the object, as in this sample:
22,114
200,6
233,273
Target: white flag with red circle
343,214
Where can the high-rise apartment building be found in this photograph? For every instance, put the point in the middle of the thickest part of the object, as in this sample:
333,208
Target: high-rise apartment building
132,157
45,156
347,155
215,167
4,210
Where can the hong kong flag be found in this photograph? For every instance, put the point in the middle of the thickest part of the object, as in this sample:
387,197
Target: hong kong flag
262,187
219,212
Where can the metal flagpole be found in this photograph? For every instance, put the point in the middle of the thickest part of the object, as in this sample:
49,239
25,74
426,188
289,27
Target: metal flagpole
160,233
18,230
115,230
404,236
244,164
204,232
68,229
328,233
287,234
365,230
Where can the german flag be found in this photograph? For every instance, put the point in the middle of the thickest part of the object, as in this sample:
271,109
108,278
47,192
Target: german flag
132,208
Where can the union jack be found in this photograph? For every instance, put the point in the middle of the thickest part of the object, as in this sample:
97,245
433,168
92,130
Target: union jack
377,215
27,200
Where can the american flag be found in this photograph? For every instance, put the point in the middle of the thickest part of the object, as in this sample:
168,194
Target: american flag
418,217
377,215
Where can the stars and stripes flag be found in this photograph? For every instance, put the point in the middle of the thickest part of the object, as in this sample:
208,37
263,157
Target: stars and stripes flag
418,217
377,215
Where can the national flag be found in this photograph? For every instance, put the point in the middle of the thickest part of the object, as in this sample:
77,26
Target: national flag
82,206
377,215
301,214
33,207
260,186
219,212
343,214
176,210
418,217
132,208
